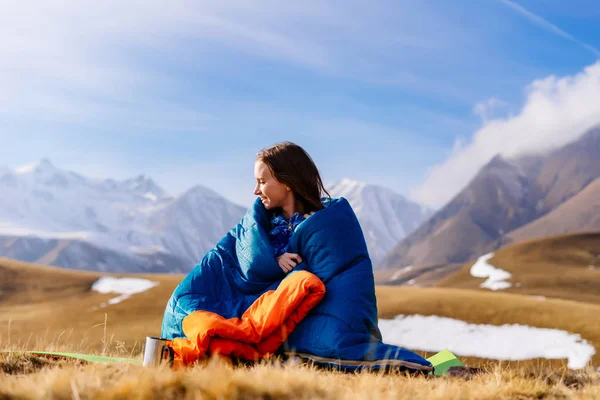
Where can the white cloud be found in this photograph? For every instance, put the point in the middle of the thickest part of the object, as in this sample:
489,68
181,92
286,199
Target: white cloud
557,110
488,108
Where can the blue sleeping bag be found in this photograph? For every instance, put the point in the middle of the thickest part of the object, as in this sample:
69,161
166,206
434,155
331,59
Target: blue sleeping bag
341,330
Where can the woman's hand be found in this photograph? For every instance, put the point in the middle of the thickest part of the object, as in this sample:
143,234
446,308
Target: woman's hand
287,261
308,215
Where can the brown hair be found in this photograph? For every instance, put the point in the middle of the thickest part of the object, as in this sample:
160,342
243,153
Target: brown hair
290,164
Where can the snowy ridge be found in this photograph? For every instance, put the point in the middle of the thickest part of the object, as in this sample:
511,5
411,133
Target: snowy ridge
349,189
129,218
385,216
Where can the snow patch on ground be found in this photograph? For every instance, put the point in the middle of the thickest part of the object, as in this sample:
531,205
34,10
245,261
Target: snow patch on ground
506,342
495,276
126,287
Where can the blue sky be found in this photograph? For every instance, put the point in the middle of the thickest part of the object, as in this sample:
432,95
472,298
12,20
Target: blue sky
414,95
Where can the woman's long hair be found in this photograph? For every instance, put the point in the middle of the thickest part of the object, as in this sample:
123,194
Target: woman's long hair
290,164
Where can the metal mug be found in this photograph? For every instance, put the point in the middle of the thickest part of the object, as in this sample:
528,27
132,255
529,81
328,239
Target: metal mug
157,352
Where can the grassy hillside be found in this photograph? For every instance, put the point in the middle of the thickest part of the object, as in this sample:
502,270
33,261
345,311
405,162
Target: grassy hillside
52,309
53,305
566,267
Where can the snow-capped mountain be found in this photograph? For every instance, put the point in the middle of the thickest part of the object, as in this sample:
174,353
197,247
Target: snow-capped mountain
195,222
144,186
385,216
64,219
57,217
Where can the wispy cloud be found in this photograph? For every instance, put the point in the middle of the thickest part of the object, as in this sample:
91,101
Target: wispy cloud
488,108
74,62
85,56
557,110
543,23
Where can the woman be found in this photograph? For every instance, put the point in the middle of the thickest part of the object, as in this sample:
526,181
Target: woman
290,228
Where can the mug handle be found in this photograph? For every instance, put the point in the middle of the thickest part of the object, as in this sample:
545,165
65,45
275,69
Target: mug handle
170,352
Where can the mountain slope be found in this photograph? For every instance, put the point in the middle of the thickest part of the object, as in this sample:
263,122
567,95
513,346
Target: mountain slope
385,216
579,213
194,223
503,196
568,170
82,255
491,204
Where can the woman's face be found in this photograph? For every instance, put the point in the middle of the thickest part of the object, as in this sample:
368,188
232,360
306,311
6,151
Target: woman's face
272,192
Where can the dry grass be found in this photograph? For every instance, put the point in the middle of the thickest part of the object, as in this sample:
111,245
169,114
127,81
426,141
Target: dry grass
65,319
23,377
44,306
557,266
51,309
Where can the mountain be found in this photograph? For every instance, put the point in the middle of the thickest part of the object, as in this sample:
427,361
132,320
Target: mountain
579,213
385,216
60,218
194,222
57,217
504,196
144,186
567,171
45,198
82,255
490,205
